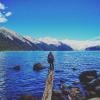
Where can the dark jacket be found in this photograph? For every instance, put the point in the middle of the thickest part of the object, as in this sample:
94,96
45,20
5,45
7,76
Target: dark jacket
50,58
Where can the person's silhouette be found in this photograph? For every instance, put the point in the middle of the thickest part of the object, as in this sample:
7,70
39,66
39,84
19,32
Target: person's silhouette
51,60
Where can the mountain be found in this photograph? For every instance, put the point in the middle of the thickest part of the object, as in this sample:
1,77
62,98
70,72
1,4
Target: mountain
50,44
10,40
93,48
94,44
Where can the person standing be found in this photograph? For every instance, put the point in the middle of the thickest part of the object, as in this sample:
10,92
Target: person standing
51,60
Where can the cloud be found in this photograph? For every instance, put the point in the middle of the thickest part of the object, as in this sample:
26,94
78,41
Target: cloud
8,14
2,6
3,19
75,44
81,45
4,14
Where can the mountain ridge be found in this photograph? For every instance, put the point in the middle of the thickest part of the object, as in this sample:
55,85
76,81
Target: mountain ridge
10,40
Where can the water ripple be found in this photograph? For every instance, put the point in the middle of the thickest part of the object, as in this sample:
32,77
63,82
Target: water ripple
26,81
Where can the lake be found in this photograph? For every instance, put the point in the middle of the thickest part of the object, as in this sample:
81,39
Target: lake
26,81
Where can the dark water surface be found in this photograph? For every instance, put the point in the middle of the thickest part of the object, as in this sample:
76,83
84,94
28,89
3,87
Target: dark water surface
26,81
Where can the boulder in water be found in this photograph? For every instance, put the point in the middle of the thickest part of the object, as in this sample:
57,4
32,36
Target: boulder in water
38,66
87,76
17,67
74,69
94,86
91,83
59,71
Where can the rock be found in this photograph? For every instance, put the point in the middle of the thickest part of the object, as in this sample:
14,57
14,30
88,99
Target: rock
17,67
26,97
76,83
59,71
57,95
87,76
38,67
91,83
76,94
97,98
74,69
94,86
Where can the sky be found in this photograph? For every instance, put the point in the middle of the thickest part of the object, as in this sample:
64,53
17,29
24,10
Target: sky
61,19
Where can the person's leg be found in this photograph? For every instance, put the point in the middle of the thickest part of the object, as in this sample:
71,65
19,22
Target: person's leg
50,66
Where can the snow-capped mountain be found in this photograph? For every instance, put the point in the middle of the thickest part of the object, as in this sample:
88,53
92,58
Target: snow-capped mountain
36,41
46,40
50,44
74,44
49,41
11,34
10,40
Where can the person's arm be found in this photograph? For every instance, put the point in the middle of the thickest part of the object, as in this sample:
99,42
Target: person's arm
52,57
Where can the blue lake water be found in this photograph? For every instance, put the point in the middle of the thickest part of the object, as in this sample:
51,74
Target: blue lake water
26,81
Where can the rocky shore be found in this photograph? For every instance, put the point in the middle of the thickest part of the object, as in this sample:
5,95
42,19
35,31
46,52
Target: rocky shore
87,89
